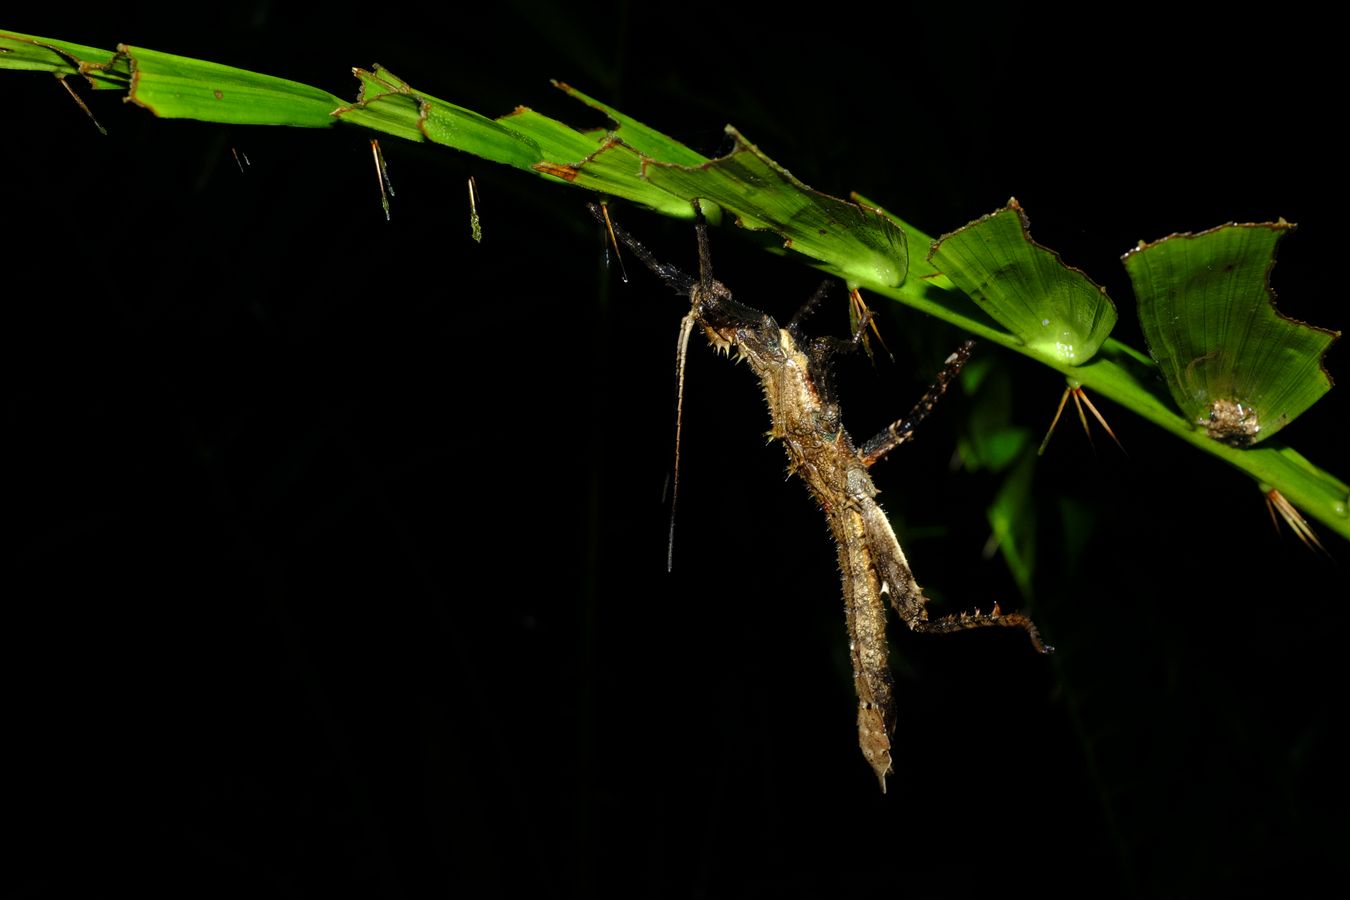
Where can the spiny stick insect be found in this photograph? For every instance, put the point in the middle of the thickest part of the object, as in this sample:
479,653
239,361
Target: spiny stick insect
793,371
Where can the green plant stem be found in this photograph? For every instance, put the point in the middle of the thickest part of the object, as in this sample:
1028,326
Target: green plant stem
859,248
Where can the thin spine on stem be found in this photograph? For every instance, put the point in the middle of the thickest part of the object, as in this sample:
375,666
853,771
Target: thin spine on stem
382,176
475,224
79,101
1080,398
613,242
1277,503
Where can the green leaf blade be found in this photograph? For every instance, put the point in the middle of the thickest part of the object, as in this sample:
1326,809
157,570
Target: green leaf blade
616,169
861,244
384,104
1054,309
1232,362
178,87
642,138
856,241
26,52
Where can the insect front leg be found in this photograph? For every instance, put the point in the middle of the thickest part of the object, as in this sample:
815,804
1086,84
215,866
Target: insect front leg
897,433
794,324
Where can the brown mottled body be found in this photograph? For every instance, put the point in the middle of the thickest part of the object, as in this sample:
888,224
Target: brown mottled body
806,418
822,454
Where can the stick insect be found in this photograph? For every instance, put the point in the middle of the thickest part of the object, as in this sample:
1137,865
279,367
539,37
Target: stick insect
793,371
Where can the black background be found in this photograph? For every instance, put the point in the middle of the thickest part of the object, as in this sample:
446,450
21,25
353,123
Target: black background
340,543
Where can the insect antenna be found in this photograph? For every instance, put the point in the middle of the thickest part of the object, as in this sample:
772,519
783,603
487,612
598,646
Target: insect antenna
681,353
685,285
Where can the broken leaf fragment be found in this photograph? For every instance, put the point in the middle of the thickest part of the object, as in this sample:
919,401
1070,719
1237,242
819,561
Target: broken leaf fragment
1055,310
177,87
1234,364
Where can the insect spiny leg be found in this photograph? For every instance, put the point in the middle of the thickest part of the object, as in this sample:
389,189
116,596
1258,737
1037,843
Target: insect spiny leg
977,619
897,433
794,324
705,272
674,276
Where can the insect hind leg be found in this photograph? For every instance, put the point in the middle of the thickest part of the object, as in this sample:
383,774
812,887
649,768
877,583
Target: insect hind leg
977,619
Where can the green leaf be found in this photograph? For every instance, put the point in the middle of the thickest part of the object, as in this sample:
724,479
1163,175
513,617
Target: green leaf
615,169
645,140
1233,363
24,52
388,103
1046,310
860,244
523,138
919,266
1055,310
175,87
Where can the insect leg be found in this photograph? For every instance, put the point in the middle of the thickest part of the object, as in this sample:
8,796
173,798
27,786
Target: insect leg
674,276
897,433
795,323
705,272
977,619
